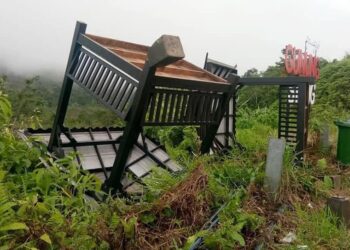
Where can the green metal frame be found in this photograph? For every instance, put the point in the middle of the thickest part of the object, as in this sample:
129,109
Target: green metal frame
139,97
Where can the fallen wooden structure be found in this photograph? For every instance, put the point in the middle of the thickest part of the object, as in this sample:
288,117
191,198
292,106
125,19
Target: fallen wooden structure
144,86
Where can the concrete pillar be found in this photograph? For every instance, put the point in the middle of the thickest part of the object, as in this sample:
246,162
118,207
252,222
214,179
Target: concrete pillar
325,145
274,165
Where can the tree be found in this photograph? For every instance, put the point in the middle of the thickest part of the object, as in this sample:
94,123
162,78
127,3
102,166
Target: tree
253,72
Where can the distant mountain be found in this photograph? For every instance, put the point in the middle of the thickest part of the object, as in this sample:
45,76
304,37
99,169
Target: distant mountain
17,79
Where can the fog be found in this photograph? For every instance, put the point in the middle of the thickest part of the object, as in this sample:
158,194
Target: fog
35,35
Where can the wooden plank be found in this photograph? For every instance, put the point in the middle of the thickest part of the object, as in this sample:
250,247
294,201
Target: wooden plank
80,58
186,74
165,107
152,104
98,78
120,94
192,84
81,67
89,73
108,89
200,111
126,97
94,74
129,54
116,90
159,107
113,43
102,81
171,107
184,107
178,98
128,104
191,115
86,67
106,82
206,105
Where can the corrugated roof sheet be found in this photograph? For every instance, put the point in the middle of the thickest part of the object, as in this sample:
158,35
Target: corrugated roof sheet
99,158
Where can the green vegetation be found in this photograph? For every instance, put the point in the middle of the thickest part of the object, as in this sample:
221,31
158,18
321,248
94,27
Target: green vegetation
321,228
43,202
34,105
333,86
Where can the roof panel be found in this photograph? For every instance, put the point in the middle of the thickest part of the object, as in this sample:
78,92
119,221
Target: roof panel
88,158
116,134
161,154
82,136
101,136
151,145
136,54
142,167
107,154
140,163
173,166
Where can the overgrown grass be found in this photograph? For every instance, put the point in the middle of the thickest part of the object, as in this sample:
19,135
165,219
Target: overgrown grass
320,229
256,137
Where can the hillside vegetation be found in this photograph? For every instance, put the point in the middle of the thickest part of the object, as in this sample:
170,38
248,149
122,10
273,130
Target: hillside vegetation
43,201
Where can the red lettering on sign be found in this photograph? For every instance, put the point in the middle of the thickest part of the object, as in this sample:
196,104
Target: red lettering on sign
287,61
301,63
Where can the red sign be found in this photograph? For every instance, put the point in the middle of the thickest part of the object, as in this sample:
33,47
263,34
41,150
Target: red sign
301,63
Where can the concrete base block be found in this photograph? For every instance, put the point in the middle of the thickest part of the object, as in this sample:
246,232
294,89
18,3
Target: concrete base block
341,207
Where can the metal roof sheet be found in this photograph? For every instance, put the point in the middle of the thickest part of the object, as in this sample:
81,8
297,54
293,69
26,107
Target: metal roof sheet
99,158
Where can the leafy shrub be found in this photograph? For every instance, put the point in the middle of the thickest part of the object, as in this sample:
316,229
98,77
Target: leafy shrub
232,221
333,87
235,172
42,200
5,105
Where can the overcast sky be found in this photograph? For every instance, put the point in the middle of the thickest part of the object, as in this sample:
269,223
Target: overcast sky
36,34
